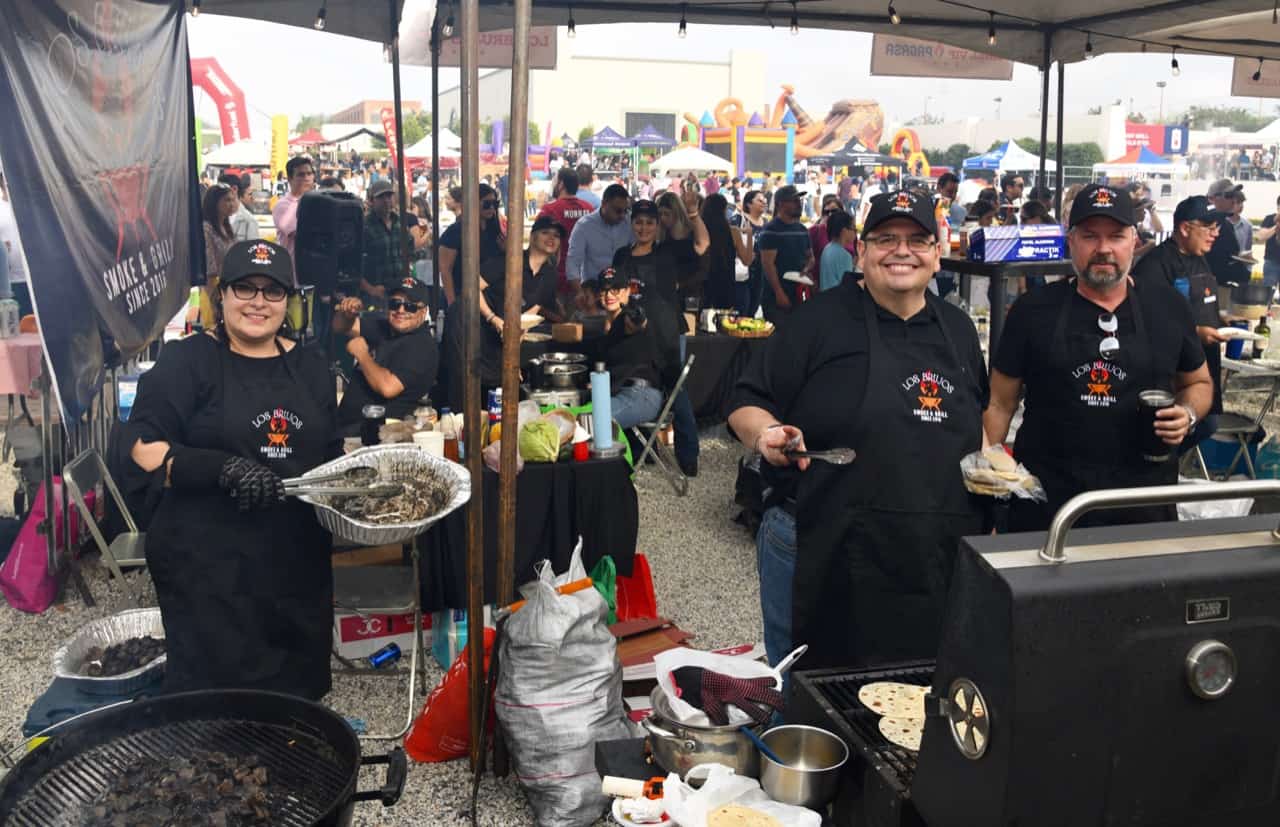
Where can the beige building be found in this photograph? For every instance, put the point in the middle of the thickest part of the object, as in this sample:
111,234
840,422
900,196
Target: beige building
622,93
369,111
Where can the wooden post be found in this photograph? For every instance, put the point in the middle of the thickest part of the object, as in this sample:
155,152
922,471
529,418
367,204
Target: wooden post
438,292
402,178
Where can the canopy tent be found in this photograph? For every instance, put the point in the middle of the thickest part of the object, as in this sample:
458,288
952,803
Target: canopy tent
1137,155
422,150
246,153
1006,157
311,137
449,139
854,154
689,159
1141,162
353,18
607,139
651,137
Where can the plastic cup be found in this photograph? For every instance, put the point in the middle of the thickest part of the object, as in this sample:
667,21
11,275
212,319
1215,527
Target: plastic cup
432,441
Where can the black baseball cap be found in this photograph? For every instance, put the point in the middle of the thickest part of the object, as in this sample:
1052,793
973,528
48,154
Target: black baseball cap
788,193
258,258
611,279
412,288
1099,199
546,222
380,187
901,204
1195,208
644,207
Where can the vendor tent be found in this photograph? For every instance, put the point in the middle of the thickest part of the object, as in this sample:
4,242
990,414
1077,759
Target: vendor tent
246,153
422,150
651,137
854,154
1006,157
689,159
311,137
1141,162
607,139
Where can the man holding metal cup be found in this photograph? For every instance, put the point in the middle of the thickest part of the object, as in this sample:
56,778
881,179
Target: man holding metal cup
1112,372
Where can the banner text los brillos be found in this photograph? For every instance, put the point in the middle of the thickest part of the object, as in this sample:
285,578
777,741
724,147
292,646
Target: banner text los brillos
141,277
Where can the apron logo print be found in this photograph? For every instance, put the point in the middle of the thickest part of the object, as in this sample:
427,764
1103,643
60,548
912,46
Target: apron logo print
278,431
930,388
1099,377
1100,386
930,400
278,425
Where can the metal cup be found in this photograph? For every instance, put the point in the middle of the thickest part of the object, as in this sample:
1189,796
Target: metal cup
1154,449
374,417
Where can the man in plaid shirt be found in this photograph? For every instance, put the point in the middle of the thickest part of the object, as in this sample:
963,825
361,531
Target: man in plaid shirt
384,236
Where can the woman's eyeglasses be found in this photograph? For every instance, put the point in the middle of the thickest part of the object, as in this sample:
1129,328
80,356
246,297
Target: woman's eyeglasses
244,291
488,205
406,306
1110,344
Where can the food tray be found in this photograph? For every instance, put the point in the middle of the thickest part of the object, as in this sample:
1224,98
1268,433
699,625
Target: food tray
394,462
748,334
105,632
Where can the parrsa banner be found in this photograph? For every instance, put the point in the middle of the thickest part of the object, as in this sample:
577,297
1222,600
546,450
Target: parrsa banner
97,138
911,58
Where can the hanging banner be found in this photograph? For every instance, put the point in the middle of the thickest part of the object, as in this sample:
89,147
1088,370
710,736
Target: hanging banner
389,130
233,117
98,143
1244,86
495,46
907,57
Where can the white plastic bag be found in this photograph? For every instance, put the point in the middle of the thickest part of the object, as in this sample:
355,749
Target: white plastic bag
689,807
667,662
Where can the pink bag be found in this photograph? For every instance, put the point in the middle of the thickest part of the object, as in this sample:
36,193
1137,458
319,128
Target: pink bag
25,578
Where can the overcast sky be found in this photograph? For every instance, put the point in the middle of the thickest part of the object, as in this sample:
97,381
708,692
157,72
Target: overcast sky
292,70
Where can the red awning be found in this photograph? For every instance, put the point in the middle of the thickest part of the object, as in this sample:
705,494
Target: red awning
311,137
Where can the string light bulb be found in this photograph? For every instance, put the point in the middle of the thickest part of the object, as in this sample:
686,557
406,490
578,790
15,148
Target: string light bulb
893,15
1088,45
991,30
1173,63
320,16
683,31
795,19
573,25
195,8
1257,76
447,29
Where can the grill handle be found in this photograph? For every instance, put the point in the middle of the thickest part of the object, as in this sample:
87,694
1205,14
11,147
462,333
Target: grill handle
1054,550
397,771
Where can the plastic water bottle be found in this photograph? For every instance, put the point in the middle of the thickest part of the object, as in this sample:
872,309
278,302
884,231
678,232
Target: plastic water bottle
601,409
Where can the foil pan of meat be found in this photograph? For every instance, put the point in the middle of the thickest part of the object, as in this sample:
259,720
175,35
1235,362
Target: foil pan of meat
115,641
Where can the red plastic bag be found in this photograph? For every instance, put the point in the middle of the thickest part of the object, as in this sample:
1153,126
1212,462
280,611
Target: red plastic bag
442,731
636,599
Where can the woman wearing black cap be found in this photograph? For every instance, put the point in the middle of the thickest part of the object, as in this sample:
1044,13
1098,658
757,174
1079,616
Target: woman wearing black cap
629,352
538,296
242,575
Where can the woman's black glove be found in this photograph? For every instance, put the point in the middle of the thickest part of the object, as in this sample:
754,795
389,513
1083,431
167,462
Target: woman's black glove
253,485
712,691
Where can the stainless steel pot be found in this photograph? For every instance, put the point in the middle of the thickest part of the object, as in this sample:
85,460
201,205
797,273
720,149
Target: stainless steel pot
810,774
563,376
561,358
680,747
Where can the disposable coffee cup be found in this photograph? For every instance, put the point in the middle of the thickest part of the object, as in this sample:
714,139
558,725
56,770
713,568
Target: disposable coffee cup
1154,449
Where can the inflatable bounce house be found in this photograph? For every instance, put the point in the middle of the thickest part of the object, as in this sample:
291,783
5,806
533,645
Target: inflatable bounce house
538,155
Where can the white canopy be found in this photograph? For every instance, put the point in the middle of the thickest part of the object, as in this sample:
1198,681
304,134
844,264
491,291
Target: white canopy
246,153
448,138
422,149
689,159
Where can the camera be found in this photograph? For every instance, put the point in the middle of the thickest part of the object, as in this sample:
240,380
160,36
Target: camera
634,313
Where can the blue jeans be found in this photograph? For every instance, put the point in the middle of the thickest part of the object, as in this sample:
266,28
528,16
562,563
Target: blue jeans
683,422
1270,273
633,404
776,563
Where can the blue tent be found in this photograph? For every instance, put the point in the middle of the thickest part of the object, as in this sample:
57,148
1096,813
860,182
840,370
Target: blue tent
607,139
1007,156
651,137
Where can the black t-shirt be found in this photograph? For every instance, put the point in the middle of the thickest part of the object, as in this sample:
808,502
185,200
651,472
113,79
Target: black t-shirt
1273,244
539,289
812,373
1226,245
633,356
412,357
660,276
452,238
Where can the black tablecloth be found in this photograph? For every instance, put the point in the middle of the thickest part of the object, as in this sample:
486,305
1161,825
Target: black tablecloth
719,361
555,502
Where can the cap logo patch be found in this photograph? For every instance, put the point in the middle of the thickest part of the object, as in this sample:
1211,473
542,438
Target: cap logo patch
410,283
1102,198
260,254
903,202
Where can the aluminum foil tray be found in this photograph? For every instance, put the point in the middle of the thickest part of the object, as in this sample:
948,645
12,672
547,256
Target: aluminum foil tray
394,463
105,632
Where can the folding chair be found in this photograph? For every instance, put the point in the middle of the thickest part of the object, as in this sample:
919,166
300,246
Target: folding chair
127,549
1241,428
384,590
650,433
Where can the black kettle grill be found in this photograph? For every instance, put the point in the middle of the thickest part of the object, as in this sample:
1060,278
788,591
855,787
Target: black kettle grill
312,757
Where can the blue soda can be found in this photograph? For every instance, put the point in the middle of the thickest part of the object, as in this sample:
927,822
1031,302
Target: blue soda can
385,656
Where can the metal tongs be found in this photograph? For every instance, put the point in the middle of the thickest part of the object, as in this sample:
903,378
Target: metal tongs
360,481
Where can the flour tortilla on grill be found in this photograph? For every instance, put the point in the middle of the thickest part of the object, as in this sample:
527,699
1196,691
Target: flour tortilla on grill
905,732
734,815
904,700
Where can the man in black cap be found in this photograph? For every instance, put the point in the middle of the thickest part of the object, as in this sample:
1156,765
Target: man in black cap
1179,261
855,559
1228,269
385,241
1084,349
395,353
784,251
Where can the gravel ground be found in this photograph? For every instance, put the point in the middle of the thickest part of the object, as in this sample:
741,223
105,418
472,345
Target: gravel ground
704,576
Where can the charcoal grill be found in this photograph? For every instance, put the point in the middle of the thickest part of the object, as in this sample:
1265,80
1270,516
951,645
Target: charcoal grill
311,755
875,789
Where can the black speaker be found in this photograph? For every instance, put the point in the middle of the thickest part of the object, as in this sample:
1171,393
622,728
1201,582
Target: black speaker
328,245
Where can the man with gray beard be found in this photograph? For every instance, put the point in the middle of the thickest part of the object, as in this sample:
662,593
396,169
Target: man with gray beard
1084,349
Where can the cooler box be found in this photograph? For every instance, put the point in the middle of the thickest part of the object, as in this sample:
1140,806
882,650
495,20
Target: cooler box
360,635
1033,242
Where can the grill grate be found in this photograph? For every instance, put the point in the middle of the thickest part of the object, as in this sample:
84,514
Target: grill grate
306,775
839,688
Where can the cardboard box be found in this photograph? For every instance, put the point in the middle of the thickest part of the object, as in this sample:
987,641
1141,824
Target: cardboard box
358,636
567,332
1030,242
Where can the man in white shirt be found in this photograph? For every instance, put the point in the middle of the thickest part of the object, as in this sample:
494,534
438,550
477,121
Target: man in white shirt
243,224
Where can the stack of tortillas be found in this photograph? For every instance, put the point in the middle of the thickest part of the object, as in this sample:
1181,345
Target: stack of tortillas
997,475
734,815
901,707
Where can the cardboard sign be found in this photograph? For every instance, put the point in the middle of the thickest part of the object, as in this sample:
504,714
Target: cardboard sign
1244,86
907,57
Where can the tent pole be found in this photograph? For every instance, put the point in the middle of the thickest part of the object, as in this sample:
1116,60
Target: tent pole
469,12
438,292
401,178
1057,156
1045,65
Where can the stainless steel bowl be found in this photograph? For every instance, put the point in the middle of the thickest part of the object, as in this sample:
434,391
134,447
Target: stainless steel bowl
680,747
394,463
562,358
563,376
810,773
104,632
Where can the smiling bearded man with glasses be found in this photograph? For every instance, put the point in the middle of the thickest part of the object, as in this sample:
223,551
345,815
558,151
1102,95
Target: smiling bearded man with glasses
1084,349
